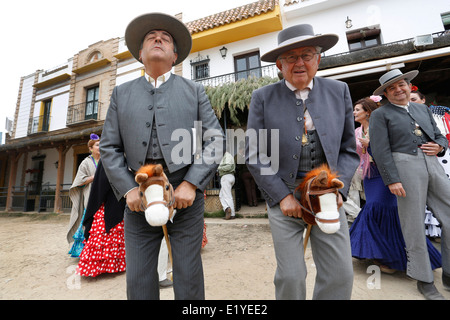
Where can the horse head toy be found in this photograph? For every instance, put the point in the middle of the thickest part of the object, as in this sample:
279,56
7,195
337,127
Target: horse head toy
156,193
157,198
318,197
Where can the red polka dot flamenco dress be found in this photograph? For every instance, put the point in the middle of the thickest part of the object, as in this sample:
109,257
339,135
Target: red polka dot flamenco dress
103,252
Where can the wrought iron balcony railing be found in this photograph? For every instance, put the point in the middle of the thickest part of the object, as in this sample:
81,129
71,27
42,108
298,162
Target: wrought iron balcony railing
39,124
265,71
83,112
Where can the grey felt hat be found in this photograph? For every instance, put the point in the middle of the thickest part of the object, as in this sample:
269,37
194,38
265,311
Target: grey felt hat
140,26
301,35
392,77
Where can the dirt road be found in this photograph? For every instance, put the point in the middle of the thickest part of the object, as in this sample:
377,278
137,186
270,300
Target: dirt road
239,264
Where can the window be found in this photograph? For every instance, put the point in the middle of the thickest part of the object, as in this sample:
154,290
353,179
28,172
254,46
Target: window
446,20
200,67
91,103
36,174
44,118
363,38
247,65
95,56
201,71
41,124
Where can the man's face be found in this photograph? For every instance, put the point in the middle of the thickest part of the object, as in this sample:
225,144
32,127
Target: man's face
301,72
158,46
398,92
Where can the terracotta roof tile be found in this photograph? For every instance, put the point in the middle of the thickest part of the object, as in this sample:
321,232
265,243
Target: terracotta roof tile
289,2
232,15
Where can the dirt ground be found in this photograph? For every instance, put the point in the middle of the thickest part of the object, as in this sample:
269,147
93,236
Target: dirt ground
239,264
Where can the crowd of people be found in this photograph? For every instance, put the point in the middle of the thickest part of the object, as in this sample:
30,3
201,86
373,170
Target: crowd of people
397,189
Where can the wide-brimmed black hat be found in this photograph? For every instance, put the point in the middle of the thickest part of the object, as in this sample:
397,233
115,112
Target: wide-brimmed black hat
140,26
392,77
301,35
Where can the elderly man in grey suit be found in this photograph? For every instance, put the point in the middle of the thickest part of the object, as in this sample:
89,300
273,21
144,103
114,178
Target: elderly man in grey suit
313,120
405,142
146,122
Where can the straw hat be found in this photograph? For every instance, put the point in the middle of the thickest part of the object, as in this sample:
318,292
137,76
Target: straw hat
301,35
392,77
140,26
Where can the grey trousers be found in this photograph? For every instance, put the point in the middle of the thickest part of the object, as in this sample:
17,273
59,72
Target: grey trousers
331,253
425,183
142,245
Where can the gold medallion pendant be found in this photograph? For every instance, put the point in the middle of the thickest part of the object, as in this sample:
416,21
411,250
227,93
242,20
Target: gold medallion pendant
418,132
304,139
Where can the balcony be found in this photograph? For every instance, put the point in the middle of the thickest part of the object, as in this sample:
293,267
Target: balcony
83,113
39,124
260,72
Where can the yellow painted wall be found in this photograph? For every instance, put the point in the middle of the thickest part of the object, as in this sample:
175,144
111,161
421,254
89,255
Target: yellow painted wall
240,30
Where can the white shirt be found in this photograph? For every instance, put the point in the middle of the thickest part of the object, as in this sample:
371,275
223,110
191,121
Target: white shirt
161,79
403,107
303,95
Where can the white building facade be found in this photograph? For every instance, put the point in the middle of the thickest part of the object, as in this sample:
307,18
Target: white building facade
57,109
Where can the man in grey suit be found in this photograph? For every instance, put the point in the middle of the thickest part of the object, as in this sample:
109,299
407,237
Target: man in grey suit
146,119
312,118
405,142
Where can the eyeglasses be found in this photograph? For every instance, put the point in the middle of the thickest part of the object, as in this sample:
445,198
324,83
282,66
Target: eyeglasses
294,58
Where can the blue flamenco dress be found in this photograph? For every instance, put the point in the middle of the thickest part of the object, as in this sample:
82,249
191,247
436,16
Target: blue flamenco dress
376,233
78,237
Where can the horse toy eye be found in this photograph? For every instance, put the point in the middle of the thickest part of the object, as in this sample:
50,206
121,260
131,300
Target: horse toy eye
141,194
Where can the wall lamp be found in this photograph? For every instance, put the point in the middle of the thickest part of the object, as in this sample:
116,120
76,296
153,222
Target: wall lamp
348,23
223,52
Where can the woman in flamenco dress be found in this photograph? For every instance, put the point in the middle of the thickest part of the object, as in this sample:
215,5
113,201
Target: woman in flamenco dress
104,245
376,233
79,194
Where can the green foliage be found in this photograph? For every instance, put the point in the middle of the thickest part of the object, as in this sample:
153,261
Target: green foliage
235,96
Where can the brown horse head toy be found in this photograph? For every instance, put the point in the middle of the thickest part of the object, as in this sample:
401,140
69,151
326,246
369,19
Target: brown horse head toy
156,193
318,197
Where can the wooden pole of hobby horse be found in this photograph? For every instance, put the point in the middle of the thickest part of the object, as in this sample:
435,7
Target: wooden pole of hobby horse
169,248
305,243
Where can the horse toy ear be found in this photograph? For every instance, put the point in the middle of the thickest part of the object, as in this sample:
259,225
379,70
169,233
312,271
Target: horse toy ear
321,179
336,183
141,177
148,171
157,170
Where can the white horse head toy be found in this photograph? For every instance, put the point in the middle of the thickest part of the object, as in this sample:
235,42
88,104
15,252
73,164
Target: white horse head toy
318,197
156,193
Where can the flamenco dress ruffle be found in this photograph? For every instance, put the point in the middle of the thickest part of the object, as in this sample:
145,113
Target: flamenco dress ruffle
78,238
432,225
376,233
204,239
103,252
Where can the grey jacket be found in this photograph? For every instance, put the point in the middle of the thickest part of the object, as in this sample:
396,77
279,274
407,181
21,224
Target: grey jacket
276,107
392,130
176,104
